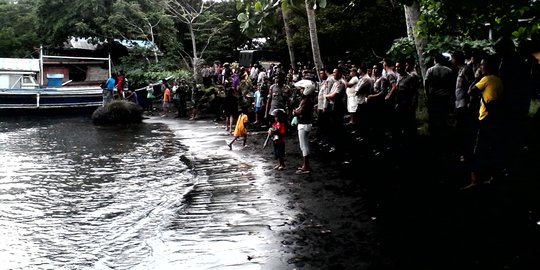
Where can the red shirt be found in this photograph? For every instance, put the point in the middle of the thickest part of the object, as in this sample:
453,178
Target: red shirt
119,82
281,131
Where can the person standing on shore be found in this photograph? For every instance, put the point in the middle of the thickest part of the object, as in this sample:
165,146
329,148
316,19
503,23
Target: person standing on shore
258,103
195,99
304,114
278,132
240,128
150,97
487,155
278,96
166,99
336,110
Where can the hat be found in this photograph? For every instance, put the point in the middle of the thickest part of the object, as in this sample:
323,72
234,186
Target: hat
277,111
309,86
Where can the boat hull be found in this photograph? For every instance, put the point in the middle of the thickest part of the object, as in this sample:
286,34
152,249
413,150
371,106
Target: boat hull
50,98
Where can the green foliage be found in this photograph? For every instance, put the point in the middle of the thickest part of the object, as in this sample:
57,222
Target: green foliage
140,76
403,48
18,29
141,19
448,44
361,31
257,16
229,37
473,19
60,19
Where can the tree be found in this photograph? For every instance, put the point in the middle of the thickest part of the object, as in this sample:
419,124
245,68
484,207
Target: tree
18,29
58,20
439,23
260,14
519,18
196,15
311,6
262,9
285,12
140,19
412,16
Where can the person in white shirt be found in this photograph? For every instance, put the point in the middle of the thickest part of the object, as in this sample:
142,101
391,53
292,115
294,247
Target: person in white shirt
352,99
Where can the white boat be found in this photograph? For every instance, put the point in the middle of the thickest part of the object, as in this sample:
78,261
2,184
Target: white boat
52,82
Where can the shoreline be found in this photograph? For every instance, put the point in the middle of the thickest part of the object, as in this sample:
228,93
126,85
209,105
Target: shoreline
400,210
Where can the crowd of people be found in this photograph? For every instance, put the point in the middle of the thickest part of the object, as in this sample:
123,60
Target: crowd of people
475,100
117,87
481,99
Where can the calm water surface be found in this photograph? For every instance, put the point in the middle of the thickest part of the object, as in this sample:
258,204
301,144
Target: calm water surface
160,195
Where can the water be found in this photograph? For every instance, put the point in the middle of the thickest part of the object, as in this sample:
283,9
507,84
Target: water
161,195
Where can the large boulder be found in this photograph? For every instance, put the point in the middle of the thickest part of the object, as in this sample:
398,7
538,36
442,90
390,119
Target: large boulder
118,112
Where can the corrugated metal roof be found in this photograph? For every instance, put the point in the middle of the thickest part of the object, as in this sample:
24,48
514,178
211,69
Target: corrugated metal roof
19,64
129,43
80,43
87,44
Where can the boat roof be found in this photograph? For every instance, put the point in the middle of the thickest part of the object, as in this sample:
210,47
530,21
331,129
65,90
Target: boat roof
19,64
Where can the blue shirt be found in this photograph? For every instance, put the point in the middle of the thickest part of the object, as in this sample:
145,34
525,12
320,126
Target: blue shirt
110,84
257,98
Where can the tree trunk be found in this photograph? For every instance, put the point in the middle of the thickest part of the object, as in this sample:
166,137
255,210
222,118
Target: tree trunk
195,59
285,13
412,16
153,39
313,37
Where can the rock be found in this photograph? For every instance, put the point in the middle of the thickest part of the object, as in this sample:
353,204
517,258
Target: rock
118,112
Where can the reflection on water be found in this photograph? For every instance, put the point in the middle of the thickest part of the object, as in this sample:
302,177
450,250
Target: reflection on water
76,196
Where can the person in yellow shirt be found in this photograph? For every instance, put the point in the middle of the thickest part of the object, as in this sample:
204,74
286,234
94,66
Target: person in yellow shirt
486,155
240,128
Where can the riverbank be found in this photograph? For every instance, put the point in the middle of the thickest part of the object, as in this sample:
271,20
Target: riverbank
398,209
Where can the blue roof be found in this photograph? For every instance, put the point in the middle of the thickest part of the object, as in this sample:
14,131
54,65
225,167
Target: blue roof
129,43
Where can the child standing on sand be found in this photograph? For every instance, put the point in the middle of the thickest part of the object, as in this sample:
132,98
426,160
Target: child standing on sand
278,132
240,129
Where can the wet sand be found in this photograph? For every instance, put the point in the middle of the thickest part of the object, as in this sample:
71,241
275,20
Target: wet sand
390,210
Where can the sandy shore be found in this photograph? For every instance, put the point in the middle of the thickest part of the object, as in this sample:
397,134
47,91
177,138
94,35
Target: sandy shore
397,209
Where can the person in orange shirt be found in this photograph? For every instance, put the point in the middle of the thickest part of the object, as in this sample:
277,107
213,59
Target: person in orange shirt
166,99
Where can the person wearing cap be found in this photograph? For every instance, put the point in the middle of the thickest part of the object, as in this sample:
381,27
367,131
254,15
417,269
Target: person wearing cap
226,73
278,131
304,114
278,96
